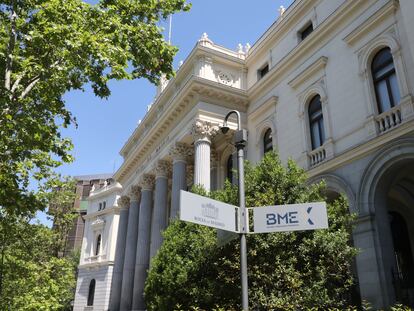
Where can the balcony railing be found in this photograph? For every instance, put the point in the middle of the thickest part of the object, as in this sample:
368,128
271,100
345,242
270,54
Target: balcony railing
317,156
389,119
95,258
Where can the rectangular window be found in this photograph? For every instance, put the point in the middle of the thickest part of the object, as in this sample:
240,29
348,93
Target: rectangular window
262,71
104,205
100,206
306,31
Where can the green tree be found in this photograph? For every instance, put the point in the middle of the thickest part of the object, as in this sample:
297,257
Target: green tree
33,276
287,271
49,47
60,193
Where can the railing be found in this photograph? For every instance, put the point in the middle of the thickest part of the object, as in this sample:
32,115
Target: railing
95,258
317,156
389,119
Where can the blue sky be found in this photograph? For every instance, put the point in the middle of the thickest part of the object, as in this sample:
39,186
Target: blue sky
105,125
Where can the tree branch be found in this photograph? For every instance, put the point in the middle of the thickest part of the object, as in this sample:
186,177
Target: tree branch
30,87
10,48
16,83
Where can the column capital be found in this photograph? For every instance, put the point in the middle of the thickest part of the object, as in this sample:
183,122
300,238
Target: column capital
162,169
180,151
147,182
135,193
124,202
204,130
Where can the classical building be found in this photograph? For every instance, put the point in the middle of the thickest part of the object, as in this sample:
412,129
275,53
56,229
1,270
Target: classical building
329,84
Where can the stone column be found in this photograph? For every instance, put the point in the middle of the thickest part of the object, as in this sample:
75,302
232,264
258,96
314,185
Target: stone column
143,244
130,251
179,153
203,132
159,216
116,286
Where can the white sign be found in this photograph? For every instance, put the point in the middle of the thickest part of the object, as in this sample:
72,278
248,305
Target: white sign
290,217
204,211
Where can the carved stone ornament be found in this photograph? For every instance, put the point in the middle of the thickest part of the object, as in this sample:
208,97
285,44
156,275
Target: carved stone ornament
147,182
204,130
162,169
181,151
98,223
135,193
225,78
124,201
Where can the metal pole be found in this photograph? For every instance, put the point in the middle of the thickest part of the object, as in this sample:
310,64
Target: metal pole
243,229
240,139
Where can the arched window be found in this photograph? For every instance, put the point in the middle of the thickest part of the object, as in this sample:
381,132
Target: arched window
267,141
385,80
91,293
317,129
98,245
230,168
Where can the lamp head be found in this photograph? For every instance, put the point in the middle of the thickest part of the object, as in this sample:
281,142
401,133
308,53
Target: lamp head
225,129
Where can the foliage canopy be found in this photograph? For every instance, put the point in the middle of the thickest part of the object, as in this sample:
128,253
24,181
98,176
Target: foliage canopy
49,47
287,271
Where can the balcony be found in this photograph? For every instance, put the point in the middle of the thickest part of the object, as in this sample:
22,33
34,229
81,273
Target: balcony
317,156
389,119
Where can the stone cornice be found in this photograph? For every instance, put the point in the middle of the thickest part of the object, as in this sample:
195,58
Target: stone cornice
373,21
182,101
282,26
218,53
272,101
116,187
308,72
107,211
328,29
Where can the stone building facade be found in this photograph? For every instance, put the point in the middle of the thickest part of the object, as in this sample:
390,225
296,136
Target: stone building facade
330,84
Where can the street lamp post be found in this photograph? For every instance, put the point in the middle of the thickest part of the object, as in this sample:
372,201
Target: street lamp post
240,139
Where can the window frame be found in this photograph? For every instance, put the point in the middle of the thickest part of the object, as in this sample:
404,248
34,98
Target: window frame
91,293
305,31
266,140
316,118
263,70
384,77
98,244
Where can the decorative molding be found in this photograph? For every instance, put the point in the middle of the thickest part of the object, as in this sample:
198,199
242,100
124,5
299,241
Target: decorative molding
224,77
268,103
147,182
320,36
181,151
98,224
124,202
162,169
135,193
372,22
308,72
204,130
